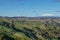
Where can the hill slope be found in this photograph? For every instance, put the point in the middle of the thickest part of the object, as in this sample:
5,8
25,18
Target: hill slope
29,29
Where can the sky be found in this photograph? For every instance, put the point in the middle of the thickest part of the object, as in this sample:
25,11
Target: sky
30,8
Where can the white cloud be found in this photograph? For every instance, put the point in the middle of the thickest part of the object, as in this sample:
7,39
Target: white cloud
47,15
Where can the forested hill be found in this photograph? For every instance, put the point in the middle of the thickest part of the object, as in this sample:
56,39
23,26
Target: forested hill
29,28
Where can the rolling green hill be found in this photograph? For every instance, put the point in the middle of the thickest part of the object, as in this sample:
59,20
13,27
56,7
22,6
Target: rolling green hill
29,28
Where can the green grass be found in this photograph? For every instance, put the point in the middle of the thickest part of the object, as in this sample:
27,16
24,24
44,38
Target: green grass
41,31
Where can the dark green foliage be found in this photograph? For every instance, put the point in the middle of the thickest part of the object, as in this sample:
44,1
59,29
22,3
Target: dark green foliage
5,37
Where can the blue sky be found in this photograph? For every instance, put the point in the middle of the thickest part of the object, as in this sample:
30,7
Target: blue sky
30,8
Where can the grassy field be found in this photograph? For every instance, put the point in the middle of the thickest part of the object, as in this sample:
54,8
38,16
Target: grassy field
15,29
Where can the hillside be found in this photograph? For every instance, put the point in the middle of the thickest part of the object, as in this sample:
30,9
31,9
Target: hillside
29,28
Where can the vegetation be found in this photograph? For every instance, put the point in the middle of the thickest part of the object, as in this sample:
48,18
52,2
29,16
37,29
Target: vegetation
31,29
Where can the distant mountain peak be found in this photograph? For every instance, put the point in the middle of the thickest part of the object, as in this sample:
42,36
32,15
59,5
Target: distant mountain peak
48,15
